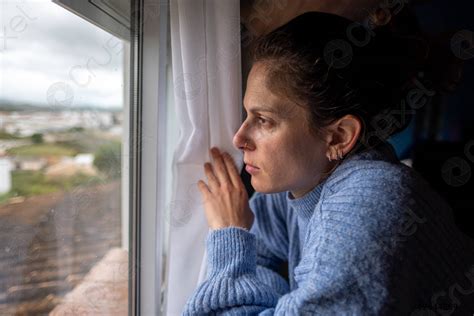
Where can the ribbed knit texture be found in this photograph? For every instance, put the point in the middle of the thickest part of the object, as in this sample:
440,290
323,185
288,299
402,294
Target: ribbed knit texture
372,239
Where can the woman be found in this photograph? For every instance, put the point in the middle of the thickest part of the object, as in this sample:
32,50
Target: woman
362,233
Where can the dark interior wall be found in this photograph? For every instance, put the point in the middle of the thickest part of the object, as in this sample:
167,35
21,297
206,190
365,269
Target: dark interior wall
450,115
440,16
443,147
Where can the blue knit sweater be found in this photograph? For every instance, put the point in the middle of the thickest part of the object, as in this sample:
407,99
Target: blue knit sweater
372,239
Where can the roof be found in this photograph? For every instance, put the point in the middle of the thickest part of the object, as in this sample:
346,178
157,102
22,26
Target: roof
58,238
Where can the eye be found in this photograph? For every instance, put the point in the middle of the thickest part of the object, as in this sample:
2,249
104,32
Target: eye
262,120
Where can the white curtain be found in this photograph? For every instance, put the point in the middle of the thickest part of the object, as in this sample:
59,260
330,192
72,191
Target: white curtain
206,62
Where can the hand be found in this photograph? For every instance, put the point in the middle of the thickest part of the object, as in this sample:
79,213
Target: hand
225,199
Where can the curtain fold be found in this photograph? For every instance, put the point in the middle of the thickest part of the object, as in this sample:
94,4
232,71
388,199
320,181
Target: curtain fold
207,83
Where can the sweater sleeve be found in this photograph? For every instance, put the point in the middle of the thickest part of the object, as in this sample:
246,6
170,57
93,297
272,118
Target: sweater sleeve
348,259
256,257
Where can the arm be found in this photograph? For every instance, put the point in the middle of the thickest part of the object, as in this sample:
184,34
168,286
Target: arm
264,245
345,267
228,210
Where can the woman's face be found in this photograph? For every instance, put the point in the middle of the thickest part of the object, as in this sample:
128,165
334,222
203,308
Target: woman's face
286,156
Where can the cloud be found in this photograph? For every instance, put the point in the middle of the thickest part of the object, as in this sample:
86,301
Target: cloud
42,44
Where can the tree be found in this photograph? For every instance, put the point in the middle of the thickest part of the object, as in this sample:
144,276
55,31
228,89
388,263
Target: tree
108,159
37,138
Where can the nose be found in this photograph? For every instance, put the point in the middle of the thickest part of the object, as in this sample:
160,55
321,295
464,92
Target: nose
240,138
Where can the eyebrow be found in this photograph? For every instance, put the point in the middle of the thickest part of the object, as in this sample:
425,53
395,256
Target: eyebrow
277,112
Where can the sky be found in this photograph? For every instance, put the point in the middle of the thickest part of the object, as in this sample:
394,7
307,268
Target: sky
51,57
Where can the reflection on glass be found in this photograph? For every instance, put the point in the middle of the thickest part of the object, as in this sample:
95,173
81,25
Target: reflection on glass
62,108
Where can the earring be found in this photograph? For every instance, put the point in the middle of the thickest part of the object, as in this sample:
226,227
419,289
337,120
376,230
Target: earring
335,154
339,154
328,155
331,155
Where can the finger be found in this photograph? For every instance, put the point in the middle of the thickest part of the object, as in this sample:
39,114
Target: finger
233,172
211,177
219,166
203,188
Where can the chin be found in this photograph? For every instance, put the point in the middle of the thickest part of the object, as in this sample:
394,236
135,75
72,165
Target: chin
265,187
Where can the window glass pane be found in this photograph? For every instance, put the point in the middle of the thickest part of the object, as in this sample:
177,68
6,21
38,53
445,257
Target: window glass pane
63,163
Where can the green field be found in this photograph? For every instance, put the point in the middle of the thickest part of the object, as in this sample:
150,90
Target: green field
5,136
29,183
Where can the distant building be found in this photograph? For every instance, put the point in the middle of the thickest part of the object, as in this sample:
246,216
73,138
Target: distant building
28,123
84,159
6,167
30,163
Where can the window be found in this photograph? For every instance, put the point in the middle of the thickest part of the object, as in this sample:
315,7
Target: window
64,157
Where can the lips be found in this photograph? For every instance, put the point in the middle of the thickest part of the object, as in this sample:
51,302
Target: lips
251,170
250,165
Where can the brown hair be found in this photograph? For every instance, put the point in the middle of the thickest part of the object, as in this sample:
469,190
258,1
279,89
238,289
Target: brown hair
333,67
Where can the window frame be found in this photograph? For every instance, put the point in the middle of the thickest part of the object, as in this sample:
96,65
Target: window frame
150,58
102,14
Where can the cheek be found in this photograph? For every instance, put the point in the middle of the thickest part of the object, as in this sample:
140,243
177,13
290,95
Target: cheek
261,135
293,157
288,160
281,155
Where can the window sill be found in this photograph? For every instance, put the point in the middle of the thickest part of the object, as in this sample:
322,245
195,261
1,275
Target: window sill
104,290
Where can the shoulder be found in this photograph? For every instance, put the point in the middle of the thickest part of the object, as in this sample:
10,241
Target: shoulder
380,181
378,172
370,174
379,196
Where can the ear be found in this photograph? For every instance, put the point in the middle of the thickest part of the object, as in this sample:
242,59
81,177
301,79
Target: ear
344,133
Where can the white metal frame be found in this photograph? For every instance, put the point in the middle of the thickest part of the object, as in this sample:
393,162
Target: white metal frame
103,13
150,55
